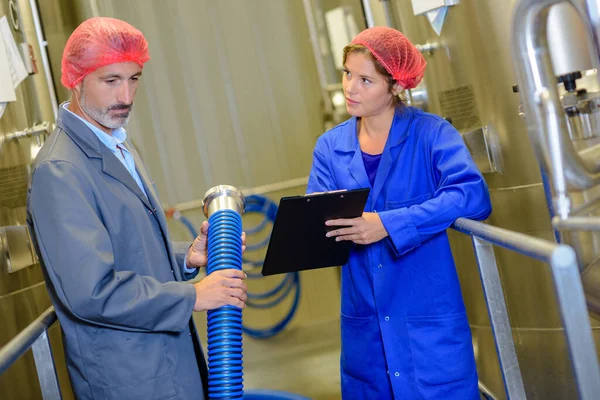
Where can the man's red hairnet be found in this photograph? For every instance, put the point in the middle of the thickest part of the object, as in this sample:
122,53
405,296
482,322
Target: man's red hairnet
396,53
99,42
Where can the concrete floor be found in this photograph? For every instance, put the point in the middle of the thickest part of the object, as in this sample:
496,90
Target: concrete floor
303,360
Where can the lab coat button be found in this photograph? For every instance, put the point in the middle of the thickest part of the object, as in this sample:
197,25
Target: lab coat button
379,266
388,371
397,374
387,318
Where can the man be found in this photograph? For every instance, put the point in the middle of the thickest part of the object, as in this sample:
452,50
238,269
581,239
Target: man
114,276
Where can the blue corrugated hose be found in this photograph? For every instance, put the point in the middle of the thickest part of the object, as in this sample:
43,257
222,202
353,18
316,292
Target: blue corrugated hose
225,359
225,370
270,298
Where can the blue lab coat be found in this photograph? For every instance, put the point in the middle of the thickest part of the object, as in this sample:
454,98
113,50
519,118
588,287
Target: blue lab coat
405,333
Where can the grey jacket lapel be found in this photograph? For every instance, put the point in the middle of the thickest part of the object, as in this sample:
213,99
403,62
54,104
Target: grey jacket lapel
93,148
115,168
148,186
154,201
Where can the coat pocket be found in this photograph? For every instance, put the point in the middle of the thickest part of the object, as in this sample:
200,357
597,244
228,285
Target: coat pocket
441,348
158,388
394,205
131,361
359,342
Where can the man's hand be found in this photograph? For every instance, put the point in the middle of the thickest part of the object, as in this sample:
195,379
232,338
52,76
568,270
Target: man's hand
362,230
221,288
197,255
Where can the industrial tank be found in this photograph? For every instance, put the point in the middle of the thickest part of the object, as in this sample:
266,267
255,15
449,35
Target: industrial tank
23,127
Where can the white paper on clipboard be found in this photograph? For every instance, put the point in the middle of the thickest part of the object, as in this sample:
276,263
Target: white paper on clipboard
15,62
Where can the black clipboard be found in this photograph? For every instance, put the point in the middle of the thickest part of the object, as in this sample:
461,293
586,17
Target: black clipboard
298,240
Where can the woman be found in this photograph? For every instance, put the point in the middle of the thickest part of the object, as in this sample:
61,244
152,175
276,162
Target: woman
404,328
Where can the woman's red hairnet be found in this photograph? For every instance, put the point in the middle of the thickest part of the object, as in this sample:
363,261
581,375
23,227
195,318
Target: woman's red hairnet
396,53
99,42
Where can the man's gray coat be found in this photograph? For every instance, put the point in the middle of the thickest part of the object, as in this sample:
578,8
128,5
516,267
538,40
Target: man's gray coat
114,276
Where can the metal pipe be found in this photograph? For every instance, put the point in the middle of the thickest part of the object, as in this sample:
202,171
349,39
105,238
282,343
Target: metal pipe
498,314
389,15
536,77
575,318
555,150
486,391
14,349
555,145
43,45
46,370
312,29
272,187
515,241
94,8
569,291
368,13
587,207
591,157
577,224
36,130
335,87
428,48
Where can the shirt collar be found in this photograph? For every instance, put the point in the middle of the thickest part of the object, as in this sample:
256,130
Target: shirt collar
348,141
119,135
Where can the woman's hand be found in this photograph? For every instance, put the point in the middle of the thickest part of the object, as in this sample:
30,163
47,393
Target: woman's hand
362,230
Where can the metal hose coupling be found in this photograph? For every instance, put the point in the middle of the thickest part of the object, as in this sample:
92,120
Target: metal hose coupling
223,206
223,197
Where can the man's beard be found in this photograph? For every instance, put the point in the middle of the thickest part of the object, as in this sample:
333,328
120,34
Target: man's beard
104,117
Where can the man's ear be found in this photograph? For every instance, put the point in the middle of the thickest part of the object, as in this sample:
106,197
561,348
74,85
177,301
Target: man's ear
76,93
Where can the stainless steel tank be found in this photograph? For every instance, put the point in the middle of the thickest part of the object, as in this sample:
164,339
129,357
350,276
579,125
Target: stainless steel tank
23,294
469,79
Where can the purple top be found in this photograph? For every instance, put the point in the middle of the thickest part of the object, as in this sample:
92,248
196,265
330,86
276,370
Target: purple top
371,164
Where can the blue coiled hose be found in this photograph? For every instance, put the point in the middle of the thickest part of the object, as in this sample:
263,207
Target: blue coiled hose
263,205
225,370
278,327
270,298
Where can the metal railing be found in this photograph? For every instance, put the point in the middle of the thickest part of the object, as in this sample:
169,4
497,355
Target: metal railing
567,284
570,297
35,336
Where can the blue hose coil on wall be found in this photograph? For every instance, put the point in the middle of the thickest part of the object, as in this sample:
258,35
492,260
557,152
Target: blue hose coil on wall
225,360
271,298
264,206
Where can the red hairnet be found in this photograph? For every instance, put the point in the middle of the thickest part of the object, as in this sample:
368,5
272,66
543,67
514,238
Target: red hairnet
396,53
99,42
